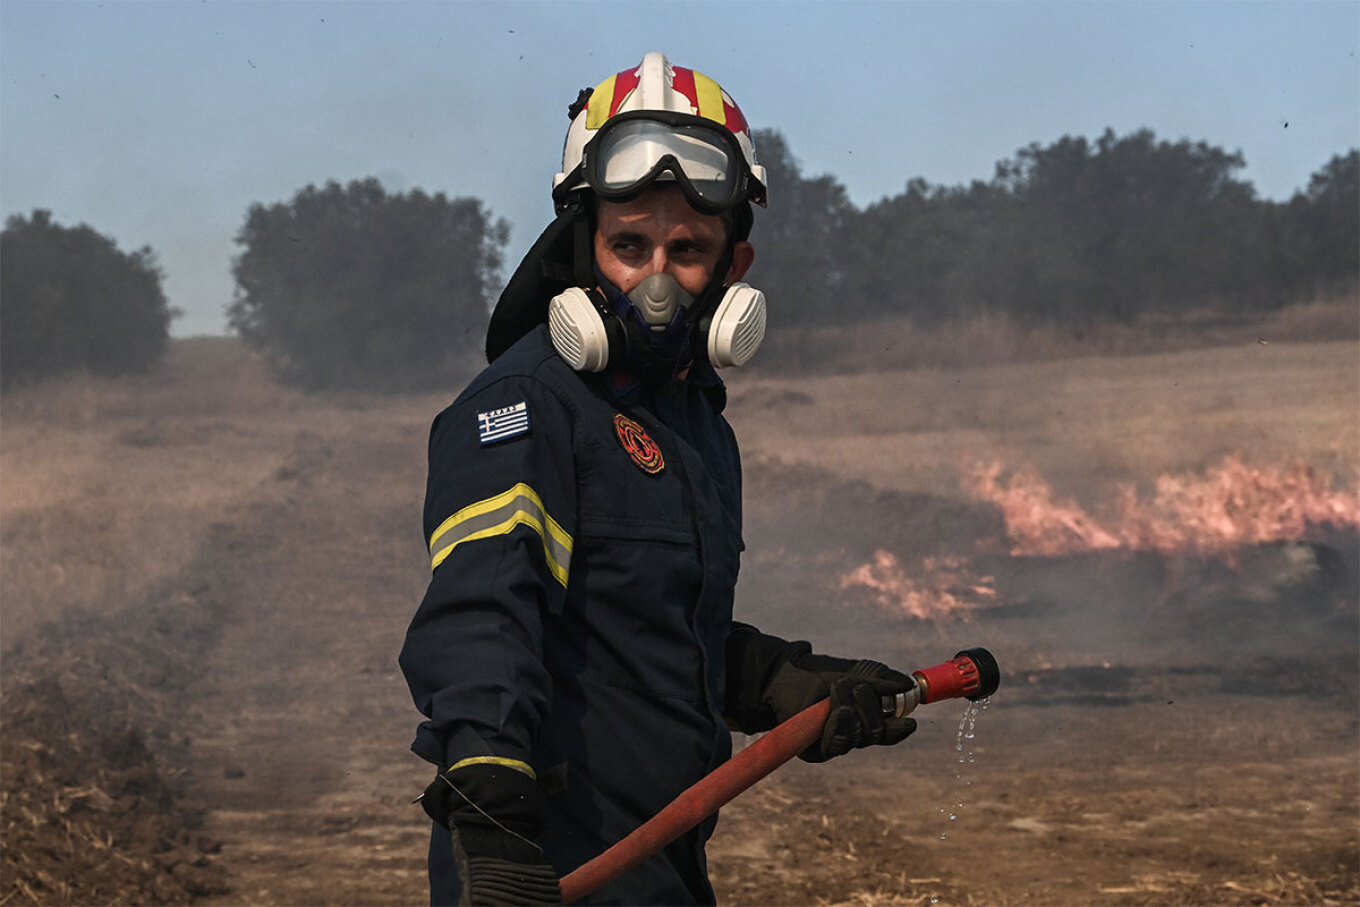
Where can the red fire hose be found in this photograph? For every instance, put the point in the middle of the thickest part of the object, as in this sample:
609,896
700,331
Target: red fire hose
972,673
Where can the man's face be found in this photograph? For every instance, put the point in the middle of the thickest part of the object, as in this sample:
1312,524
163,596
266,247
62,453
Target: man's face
659,233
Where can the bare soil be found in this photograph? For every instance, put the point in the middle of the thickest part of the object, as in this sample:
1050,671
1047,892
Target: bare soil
206,580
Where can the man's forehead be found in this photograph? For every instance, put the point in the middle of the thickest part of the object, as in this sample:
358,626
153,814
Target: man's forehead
657,207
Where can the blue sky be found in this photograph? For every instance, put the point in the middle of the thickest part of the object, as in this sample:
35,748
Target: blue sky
161,123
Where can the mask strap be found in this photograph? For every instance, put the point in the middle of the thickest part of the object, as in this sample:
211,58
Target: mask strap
612,294
708,300
583,257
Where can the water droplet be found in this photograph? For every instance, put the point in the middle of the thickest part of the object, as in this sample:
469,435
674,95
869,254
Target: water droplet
967,731
934,900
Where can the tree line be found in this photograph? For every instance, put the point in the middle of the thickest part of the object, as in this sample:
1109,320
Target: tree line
352,286
1076,233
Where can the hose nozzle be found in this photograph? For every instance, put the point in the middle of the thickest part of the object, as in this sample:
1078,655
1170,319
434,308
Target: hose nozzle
972,673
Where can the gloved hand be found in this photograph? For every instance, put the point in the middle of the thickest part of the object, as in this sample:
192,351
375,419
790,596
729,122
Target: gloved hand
856,690
494,812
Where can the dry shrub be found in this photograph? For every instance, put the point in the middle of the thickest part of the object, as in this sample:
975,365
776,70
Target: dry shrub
894,344
94,798
89,815
201,376
1323,319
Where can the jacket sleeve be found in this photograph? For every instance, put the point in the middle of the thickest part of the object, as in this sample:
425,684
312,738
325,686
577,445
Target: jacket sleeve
753,658
500,516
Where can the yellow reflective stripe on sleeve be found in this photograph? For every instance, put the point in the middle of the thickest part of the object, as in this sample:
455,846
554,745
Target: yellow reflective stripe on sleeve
710,98
496,760
520,506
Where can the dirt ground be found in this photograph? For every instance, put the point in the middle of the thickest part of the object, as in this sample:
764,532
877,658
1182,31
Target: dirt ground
206,580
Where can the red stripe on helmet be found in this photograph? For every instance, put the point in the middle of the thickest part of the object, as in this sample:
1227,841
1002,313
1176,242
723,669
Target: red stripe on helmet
683,82
732,114
624,83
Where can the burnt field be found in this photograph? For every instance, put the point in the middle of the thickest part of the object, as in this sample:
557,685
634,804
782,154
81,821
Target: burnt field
206,579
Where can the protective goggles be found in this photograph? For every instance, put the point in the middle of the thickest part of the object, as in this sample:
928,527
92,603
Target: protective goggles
634,149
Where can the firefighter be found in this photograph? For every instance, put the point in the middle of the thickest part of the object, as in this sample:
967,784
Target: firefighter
575,653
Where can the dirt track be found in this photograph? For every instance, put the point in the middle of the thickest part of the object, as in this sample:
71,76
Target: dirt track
1170,730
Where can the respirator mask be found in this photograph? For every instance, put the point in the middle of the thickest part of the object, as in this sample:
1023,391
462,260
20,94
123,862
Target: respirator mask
655,325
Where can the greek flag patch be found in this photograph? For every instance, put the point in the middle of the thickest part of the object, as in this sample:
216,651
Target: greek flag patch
506,422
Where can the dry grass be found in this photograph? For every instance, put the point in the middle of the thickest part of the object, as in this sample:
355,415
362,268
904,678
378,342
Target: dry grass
108,487
86,814
110,491
1084,423
129,513
896,344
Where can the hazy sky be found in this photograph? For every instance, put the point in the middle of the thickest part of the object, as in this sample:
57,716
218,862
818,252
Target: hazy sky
160,123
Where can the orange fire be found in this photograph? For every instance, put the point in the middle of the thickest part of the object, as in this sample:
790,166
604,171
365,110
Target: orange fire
944,588
1231,505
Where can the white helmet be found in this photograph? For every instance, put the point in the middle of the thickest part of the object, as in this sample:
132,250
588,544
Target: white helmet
659,121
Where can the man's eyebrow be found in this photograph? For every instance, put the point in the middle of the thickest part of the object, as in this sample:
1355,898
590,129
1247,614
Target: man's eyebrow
693,242
623,234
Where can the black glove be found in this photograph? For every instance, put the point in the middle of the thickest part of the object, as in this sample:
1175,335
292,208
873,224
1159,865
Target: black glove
856,690
494,812
769,680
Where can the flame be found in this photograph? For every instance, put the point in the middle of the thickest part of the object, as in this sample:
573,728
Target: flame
1231,505
1034,521
945,588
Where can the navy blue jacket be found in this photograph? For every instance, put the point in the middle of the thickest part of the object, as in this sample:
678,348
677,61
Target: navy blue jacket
581,602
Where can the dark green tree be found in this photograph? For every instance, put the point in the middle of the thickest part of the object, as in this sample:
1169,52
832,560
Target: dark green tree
1322,228
352,287
1113,229
803,263
926,253
1077,232
69,300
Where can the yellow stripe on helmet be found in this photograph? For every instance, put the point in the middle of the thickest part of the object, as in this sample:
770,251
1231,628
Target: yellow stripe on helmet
710,98
600,103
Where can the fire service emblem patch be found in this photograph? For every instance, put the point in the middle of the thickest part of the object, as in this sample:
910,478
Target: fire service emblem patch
639,444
